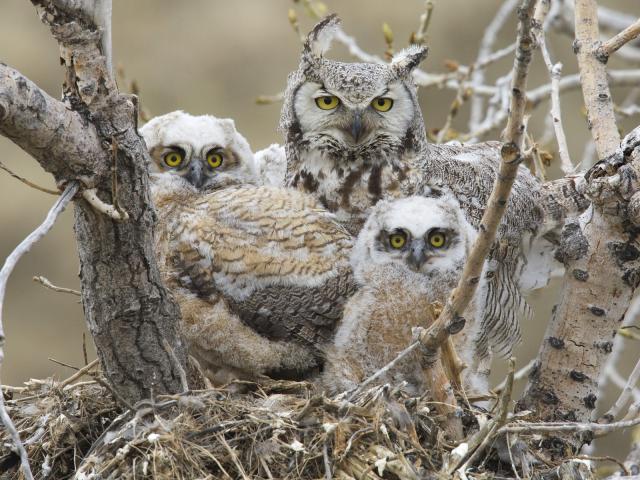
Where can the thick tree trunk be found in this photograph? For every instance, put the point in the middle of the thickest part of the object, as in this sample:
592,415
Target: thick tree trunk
602,260
92,137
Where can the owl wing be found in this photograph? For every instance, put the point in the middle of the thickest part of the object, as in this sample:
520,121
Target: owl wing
280,261
504,305
469,173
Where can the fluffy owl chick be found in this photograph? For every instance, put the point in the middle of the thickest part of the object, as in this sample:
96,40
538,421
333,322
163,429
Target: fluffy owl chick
261,275
206,151
409,254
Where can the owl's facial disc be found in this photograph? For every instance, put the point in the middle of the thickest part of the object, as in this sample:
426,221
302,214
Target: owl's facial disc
416,248
353,119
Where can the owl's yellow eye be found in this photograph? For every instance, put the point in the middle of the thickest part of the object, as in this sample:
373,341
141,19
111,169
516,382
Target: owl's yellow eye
397,240
173,159
437,239
214,159
328,102
382,104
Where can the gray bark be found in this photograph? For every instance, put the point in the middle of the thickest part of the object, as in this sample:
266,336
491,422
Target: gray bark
601,256
130,314
602,261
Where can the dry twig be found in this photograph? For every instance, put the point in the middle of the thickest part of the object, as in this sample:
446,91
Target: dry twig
27,182
555,72
91,196
486,45
615,43
47,284
626,393
5,273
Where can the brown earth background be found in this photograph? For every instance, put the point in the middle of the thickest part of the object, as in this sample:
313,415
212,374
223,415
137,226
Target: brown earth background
216,56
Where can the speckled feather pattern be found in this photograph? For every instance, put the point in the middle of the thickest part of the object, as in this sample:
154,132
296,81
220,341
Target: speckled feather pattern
264,273
349,178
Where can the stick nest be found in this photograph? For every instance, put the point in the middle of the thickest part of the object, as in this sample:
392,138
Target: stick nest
275,429
267,430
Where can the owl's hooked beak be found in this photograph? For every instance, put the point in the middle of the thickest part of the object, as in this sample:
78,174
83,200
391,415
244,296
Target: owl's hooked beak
417,255
195,176
356,126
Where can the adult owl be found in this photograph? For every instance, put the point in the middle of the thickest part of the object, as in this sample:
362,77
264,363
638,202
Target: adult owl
209,152
261,275
408,256
355,135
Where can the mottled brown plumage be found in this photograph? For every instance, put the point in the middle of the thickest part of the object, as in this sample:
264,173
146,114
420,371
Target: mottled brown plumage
261,274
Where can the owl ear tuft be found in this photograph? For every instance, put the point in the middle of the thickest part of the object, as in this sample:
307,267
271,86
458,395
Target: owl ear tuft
319,39
408,59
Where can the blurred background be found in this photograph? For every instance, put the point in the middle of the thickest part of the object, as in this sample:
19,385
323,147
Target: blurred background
217,57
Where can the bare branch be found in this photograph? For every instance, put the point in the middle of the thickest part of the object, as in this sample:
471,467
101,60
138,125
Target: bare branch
80,373
27,182
91,196
609,19
597,429
487,433
5,273
486,45
176,364
46,283
593,77
626,393
511,158
615,43
58,138
519,375
425,19
616,78
555,72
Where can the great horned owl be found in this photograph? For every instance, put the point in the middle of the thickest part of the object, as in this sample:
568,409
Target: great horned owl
261,275
350,127
355,135
409,255
206,151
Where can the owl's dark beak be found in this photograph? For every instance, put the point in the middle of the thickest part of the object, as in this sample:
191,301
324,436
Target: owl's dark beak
195,176
417,256
356,126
